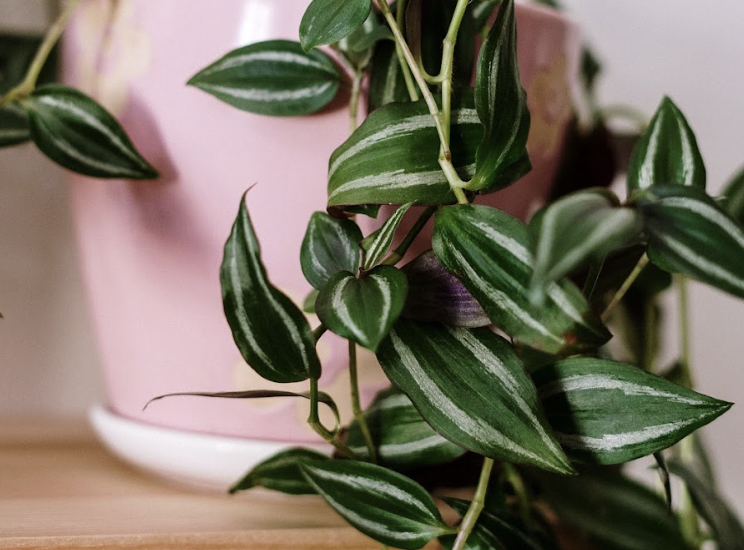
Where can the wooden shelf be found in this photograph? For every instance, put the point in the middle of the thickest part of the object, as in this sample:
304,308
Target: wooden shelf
60,489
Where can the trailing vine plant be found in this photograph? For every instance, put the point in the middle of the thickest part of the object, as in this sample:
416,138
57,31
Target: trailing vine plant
549,413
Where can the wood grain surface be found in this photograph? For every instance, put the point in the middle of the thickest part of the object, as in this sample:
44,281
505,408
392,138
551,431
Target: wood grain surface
60,489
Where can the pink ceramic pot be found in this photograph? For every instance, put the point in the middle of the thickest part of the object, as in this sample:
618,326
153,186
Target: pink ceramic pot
151,250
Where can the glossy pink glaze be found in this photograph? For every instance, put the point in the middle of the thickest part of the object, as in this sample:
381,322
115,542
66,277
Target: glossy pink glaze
151,250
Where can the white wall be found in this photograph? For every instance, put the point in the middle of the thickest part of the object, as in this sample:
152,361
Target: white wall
690,50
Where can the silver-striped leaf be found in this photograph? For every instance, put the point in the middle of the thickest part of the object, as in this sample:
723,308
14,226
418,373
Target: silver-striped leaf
605,412
384,505
386,81
582,226
377,243
728,531
402,437
667,152
281,473
363,309
330,245
499,530
392,157
274,77
270,331
491,253
502,107
437,296
14,127
732,197
77,133
689,233
614,512
328,21
471,387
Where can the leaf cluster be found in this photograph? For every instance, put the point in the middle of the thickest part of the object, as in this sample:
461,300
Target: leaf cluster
495,341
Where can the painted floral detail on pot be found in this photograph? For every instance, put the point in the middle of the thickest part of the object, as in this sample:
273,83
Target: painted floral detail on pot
549,100
118,50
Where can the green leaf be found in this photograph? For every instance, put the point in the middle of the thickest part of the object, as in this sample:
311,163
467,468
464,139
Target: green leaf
13,126
604,412
392,157
689,233
482,12
580,227
275,77
434,17
497,530
727,529
281,472
254,394
364,309
382,504
386,81
328,21
308,304
403,439
330,245
76,132
470,386
667,152
358,45
733,197
490,252
617,513
271,333
502,107
437,296
377,243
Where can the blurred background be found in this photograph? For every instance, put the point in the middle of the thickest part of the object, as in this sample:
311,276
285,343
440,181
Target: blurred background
691,51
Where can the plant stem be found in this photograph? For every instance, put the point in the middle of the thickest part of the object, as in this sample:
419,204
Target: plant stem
689,520
476,506
595,270
356,92
684,330
407,78
315,423
319,331
395,256
356,405
512,476
28,83
445,155
408,56
624,287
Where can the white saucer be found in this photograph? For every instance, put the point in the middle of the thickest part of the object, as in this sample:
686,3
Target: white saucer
198,460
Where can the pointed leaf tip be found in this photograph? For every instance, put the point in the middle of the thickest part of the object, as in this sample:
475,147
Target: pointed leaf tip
270,331
77,133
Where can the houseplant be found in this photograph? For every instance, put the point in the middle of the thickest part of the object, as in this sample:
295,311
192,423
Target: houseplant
511,402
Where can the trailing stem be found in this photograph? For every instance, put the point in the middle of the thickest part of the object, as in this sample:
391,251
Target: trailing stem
315,423
28,83
441,119
624,287
689,520
356,405
476,506
356,92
